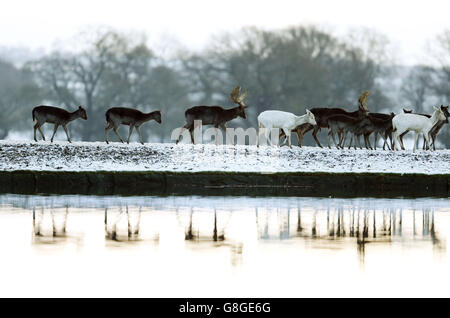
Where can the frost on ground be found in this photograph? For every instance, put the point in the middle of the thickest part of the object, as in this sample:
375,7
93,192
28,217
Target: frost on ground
98,156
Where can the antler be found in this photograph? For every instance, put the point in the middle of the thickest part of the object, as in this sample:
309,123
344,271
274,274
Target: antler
362,100
237,97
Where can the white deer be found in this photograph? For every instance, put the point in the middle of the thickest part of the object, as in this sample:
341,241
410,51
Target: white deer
418,123
286,121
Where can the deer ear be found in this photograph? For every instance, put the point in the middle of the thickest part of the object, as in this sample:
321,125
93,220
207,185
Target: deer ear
436,108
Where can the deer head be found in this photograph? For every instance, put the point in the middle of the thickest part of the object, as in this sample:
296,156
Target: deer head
82,112
157,116
445,110
440,114
238,99
310,118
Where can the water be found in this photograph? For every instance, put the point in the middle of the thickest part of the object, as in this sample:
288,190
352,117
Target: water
223,246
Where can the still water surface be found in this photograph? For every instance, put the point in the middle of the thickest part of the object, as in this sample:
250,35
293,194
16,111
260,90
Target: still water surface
223,246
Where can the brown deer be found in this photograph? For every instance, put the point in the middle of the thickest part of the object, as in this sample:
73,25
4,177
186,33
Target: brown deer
374,123
56,116
128,116
343,124
323,114
215,115
388,132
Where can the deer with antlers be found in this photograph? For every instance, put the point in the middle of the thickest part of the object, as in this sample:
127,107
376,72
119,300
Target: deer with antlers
215,115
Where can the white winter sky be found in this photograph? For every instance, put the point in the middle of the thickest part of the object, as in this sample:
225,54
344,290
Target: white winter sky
39,24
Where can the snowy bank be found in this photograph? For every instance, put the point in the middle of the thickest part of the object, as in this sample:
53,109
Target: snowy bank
98,156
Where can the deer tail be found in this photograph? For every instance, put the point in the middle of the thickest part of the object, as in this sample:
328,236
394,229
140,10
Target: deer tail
32,113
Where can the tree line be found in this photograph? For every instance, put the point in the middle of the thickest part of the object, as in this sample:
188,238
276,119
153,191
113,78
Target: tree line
288,69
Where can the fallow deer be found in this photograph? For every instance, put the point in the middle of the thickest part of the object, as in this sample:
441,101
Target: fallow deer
374,123
434,131
286,121
418,123
342,125
215,115
130,117
57,116
322,114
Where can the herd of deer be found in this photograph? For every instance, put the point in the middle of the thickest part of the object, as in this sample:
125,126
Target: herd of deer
339,121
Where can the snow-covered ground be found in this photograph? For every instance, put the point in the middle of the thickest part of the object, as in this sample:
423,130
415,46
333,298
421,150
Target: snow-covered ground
98,156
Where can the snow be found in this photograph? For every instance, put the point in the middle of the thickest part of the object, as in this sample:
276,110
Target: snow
98,156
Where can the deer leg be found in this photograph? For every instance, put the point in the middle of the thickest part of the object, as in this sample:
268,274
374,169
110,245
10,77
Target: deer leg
299,137
359,141
416,136
314,133
288,136
401,139
67,133
284,140
344,138
107,128
54,131
341,137
129,134
397,140
139,133
40,131
117,133
432,138
367,141
385,141
426,135
191,132
394,147
355,140
392,140
329,138
187,126
36,126
334,139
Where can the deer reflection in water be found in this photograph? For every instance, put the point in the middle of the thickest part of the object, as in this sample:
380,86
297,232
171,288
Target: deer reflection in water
50,227
335,226
194,232
328,227
41,231
113,231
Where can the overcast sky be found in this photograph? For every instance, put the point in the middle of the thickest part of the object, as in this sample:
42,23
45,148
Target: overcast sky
35,24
